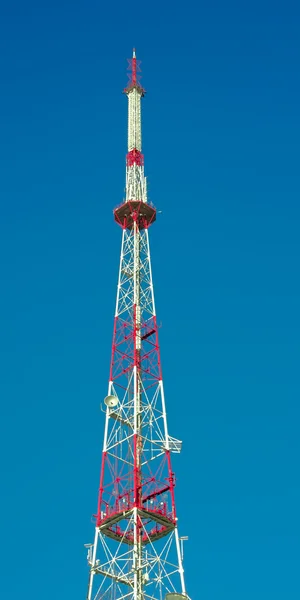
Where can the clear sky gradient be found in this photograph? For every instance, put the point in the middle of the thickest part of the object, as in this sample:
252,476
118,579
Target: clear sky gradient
221,130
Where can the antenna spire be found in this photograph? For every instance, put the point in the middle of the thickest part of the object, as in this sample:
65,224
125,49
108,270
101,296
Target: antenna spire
134,74
133,68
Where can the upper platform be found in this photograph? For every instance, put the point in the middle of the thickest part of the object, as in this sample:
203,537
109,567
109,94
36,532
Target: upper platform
144,214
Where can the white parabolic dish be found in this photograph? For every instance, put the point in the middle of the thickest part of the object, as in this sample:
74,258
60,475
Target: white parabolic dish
111,401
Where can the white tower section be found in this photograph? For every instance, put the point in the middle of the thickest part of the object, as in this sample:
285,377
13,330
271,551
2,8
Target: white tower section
134,120
136,186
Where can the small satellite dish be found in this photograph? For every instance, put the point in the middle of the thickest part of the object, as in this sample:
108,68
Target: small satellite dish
175,596
111,401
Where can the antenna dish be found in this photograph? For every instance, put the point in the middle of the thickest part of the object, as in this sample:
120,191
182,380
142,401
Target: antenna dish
111,401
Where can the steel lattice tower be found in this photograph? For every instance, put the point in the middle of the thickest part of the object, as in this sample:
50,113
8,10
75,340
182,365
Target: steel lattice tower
137,552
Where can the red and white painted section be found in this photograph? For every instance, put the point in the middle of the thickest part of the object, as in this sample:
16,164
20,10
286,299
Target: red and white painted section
136,553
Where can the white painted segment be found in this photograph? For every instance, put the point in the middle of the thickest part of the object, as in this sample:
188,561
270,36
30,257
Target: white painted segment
167,441
92,572
138,328
136,183
181,570
134,120
119,278
150,272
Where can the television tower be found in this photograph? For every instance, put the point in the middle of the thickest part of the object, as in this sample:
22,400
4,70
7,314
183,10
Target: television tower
137,553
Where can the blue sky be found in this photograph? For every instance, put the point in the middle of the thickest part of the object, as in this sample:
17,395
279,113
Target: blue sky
221,130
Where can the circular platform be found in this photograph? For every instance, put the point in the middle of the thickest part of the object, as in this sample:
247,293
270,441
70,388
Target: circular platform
135,210
175,596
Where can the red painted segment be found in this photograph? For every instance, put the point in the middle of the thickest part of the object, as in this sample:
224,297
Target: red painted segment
135,157
124,356
134,76
101,489
133,69
135,361
137,472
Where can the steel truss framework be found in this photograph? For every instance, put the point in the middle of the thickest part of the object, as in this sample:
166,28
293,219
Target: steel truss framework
136,551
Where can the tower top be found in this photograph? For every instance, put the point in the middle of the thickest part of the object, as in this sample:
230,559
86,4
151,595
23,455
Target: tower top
134,75
135,209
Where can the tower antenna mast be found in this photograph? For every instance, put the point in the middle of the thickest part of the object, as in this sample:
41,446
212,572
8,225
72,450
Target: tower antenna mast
136,553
